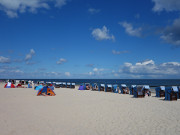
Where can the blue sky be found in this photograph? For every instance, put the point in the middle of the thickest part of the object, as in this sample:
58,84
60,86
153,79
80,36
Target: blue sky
107,39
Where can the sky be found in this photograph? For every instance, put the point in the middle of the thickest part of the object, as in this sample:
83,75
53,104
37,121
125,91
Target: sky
90,39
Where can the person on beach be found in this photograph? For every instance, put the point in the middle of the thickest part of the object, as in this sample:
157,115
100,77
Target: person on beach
87,87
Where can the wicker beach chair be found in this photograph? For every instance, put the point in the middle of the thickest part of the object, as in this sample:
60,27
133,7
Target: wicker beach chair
102,87
171,93
109,88
160,91
94,86
73,85
115,88
68,85
132,89
124,89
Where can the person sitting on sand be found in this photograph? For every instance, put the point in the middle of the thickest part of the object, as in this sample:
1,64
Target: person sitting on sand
126,90
148,93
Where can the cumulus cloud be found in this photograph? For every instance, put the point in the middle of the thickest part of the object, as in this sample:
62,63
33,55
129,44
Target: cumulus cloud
30,54
118,52
167,5
93,10
13,7
67,74
4,59
130,30
171,34
149,69
61,61
102,34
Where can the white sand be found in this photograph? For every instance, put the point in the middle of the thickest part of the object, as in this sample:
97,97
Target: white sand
73,112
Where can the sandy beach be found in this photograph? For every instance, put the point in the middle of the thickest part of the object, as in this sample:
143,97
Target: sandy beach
73,112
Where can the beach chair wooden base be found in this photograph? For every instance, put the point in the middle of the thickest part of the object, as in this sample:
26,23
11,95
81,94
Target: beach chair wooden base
102,89
109,90
140,96
161,94
173,96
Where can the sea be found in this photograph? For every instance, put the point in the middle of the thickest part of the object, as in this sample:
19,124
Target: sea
128,82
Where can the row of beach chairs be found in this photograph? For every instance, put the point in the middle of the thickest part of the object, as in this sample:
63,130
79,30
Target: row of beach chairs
61,84
138,91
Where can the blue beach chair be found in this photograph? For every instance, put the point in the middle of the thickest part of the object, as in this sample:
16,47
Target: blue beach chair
160,91
115,88
102,87
171,93
109,88
64,85
94,86
57,85
87,86
124,89
68,85
73,85
132,89
139,91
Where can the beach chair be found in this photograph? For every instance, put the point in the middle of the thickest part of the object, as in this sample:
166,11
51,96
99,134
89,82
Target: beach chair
115,88
132,89
171,93
22,82
138,91
48,83
68,85
102,87
109,88
63,85
73,85
87,86
147,90
124,89
57,85
160,91
53,83
94,86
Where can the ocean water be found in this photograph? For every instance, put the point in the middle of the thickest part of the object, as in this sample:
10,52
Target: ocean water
128,82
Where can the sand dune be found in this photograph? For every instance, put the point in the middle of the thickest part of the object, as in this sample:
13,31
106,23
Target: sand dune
73,112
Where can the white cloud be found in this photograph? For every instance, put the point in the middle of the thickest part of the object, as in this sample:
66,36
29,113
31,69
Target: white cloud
167,5
149,69
98,70
67,74
118,52
102,34
93,10
130,30
13,7
171,34
61,61
30,54
4,60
